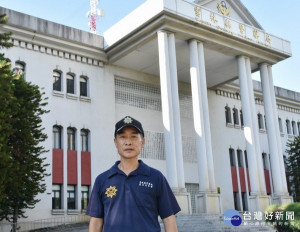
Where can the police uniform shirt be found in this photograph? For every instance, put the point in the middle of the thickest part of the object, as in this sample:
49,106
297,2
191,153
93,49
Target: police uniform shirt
132,203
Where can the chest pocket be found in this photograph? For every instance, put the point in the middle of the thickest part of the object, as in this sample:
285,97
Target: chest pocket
146,197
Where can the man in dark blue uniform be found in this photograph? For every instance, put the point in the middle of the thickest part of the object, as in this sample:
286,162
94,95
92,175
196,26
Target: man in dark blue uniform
130,196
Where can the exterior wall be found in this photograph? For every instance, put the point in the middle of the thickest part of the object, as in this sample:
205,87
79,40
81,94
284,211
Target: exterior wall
95,113
100,110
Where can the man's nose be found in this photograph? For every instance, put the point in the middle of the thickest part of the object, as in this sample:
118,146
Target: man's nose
127,141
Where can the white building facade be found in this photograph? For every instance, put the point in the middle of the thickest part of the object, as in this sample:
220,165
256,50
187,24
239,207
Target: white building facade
184,70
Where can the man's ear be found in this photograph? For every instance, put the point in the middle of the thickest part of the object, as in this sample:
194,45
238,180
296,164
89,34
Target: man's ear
143,141
115,141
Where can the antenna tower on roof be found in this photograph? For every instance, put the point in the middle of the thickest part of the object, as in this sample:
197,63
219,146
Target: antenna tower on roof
93,15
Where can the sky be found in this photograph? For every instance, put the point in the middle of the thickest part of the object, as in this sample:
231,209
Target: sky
280,18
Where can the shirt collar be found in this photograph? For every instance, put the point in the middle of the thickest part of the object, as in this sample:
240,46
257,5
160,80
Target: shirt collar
143,169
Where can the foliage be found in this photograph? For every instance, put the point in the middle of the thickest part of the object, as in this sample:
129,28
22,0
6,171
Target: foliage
293,163
22,169
282,224
7,106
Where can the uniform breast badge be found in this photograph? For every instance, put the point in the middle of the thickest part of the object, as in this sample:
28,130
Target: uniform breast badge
111,191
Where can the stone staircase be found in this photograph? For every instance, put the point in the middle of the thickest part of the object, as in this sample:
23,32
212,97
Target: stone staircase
214,223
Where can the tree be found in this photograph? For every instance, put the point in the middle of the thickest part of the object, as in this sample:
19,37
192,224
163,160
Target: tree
293,163
20,145
7,107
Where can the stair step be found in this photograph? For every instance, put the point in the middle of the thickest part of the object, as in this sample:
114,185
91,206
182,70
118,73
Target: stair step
214,223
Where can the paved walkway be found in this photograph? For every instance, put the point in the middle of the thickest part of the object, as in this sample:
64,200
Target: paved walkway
80,227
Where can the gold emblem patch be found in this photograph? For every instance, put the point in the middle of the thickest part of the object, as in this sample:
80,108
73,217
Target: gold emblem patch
111,191
127,120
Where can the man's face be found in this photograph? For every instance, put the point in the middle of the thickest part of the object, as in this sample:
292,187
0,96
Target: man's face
129,143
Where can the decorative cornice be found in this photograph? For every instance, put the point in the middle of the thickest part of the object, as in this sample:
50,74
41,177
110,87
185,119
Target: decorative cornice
258,101
48,50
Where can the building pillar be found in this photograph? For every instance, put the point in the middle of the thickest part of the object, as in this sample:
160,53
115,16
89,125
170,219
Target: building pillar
206,121
280,190
261,175
78,187
64,190
176,113
257,201
198,118
276,126
167,108
171,119
207,201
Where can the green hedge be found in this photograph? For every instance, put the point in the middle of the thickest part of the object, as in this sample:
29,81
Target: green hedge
283,225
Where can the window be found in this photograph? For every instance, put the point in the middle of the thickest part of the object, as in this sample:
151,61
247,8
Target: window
70,84
285,160
241,117
56,196
71,197
298,123
280,125
84,140
71,138
236,201
83,86
236,116
232,157
245,202
260,122
265,161
240,158
57,137
20,67
57,81
228,114
294,128
265,122
246,158
288,127
84,197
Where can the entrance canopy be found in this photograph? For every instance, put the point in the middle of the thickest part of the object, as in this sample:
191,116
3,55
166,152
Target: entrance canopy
226,28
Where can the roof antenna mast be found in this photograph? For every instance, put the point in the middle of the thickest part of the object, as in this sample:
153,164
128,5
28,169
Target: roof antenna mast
93,15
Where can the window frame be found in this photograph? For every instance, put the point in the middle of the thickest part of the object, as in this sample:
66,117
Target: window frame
84,93
235,114
71,133
20,67
84,134
71,201
57,137
228,118
85,191
56,201
288,126
70,82
58,76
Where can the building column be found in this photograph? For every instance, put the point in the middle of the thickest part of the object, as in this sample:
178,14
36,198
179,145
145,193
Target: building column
176,113
261,175
171,119
167,108
279,183
257,201
78,187
198,118
64,190
276,126
206,121
207,201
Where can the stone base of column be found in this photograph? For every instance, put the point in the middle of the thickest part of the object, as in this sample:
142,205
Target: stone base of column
259,202
184,200
208,203
282,199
